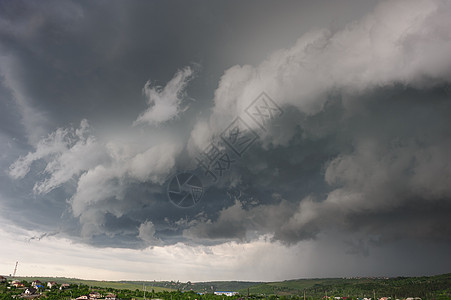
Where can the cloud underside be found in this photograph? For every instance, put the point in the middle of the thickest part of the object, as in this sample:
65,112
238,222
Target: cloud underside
363,145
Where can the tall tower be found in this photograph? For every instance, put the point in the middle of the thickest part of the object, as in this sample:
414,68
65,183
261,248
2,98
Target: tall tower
15,269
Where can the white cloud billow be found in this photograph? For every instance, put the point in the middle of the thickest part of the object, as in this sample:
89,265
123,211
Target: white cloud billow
101,171
101,189
146,232
81,154
165,103
68,152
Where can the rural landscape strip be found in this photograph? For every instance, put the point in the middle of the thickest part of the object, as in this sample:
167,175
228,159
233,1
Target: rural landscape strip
411,288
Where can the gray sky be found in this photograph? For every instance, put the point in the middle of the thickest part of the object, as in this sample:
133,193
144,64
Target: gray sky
342,167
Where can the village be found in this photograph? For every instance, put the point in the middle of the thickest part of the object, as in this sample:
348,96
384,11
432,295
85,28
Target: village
36,289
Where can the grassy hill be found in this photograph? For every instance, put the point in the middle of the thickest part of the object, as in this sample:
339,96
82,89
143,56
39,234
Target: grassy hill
356,287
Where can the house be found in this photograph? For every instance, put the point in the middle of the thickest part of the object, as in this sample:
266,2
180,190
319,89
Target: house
111,297
2,279
64,286
37,284
51,284
84,297
94,295
31,291
226,293
17,284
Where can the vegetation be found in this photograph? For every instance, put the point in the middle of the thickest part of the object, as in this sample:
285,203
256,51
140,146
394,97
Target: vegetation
434,287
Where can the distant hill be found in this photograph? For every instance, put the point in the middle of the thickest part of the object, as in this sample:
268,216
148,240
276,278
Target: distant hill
207,286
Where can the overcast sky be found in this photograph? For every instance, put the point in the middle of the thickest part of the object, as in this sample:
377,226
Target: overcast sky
313,138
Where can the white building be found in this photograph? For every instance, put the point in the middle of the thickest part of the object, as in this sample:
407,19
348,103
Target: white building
226,293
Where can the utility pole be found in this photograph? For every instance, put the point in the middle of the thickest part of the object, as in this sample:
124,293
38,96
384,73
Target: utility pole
374,294
144,288
304,294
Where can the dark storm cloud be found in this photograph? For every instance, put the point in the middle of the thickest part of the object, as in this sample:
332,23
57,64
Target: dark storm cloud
386,171
373,98
362,147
